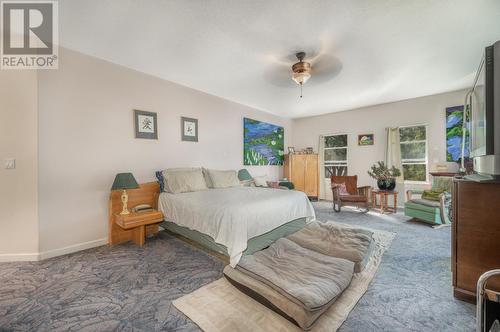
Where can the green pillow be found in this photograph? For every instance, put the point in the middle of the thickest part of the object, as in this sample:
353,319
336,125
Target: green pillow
433,194
244,175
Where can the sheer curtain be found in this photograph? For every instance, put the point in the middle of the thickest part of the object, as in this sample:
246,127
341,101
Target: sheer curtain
393,158
321,156
393,150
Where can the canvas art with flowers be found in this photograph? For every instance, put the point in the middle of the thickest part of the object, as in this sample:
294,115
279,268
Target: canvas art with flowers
263,143
454,132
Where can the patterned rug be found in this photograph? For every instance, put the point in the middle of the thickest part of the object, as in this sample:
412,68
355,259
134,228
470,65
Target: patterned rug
128,288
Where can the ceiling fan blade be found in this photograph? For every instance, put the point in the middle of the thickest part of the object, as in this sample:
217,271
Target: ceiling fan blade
280,76
325,68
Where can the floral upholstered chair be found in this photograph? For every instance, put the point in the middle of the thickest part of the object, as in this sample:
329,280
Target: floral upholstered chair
346,192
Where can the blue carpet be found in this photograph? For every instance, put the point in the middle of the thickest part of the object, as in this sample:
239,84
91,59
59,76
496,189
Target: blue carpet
127,288
412,288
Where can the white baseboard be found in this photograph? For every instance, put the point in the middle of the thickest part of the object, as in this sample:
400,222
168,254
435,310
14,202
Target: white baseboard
73,248
19,257
52,253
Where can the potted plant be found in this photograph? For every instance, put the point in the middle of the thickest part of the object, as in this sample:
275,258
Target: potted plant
386,178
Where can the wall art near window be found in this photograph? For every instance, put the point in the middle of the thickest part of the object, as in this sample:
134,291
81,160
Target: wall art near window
189,129
263,143
145,125
366,139
454,132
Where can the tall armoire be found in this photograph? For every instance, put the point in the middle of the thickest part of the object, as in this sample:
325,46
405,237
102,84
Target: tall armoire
302,171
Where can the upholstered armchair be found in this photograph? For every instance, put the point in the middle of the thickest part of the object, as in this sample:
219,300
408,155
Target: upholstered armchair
432,210
352,195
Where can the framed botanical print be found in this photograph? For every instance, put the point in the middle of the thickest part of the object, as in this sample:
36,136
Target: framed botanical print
189,129
145,125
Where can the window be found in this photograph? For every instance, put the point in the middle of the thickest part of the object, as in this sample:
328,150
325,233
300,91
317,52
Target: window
335,155
413,141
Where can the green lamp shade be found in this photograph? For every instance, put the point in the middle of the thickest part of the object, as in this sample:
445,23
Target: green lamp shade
124,181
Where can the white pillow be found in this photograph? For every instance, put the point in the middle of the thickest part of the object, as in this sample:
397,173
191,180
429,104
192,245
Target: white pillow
181,180
260,181
224,179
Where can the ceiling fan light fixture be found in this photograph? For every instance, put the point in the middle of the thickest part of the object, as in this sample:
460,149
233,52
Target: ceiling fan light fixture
301,78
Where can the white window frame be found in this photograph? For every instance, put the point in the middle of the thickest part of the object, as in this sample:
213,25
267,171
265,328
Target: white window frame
344,163
420,161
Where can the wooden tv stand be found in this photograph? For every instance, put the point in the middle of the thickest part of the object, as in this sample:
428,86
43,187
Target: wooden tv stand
475,236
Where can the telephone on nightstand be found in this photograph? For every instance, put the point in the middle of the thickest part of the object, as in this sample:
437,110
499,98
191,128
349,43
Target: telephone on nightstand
142,208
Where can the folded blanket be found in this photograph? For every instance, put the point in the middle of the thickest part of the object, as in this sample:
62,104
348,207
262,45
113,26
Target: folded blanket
353,244
274,300
308,278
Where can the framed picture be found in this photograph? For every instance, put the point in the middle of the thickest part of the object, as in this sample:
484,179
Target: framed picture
291,150
189,129
145,125
263,143
454,134
366,139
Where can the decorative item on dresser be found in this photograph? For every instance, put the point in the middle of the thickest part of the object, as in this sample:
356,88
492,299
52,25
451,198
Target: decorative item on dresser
134,226
302,171
475,241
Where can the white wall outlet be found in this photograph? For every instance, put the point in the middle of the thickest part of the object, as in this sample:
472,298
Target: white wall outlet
10,163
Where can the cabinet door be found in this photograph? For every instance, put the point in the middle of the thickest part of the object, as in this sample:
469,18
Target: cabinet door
311,176
297,165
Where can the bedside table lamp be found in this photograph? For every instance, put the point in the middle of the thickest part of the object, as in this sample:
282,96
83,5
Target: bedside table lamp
124,181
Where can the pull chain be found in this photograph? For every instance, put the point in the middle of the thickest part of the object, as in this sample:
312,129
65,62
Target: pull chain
300,90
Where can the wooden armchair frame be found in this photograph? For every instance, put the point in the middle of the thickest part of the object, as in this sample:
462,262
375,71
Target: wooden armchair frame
358,196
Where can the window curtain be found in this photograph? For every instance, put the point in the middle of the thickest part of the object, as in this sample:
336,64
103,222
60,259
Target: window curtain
321,152
393,151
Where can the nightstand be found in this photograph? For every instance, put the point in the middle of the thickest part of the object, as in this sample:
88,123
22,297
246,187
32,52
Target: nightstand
138,225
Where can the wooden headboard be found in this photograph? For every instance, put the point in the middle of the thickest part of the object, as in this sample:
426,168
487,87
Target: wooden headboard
147,193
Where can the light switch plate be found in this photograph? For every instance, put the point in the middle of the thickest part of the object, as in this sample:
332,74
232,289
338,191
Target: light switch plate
10,163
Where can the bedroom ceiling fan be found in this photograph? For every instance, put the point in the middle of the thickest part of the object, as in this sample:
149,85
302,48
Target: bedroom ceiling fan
316,69
301,70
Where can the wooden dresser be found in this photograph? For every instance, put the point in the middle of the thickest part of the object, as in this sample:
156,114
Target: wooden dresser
475,235
302,171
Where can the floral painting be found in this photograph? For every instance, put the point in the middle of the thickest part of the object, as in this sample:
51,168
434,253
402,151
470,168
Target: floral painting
366,139
263,143
454,132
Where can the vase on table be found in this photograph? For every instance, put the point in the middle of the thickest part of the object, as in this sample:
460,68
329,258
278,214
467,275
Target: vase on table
388,184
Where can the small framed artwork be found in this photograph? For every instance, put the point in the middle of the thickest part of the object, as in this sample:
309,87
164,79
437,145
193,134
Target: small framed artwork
145,125
366,139
189,129
291,150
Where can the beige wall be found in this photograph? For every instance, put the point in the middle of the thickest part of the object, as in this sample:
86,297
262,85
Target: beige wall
18,187
428,110
87,136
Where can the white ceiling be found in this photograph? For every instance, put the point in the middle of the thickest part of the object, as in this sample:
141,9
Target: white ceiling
387,50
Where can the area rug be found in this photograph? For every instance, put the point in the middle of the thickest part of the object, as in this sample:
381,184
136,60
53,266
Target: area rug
219,306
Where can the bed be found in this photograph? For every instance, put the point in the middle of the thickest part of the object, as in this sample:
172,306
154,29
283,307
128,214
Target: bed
238,220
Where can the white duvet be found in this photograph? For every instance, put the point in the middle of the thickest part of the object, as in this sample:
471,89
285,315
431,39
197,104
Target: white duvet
231,216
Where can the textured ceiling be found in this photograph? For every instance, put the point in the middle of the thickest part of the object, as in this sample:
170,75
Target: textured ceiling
374,51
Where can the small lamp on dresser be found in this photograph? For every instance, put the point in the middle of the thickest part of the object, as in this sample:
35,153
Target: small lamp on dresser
124,181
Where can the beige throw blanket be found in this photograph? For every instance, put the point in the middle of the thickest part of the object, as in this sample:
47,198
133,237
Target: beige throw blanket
309,279
336,240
